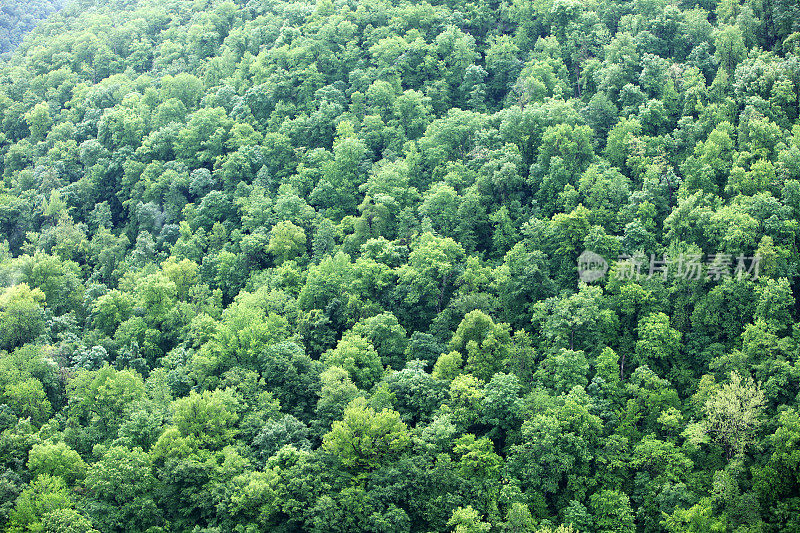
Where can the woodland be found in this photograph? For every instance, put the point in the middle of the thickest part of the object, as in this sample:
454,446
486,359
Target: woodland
18,17
293,266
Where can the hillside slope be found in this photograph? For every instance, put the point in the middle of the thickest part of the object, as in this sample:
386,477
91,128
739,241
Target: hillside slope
401,266
18,17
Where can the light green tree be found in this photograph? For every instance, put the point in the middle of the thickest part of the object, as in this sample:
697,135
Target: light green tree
365,439
733,413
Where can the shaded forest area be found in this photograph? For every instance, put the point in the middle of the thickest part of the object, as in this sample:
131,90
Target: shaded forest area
18,17
286,266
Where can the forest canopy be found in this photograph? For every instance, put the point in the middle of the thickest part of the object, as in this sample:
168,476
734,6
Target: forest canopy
18,17
518,265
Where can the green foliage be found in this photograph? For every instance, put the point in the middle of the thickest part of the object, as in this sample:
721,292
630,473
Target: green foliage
46,495
698,518
286,241
358,357
21,316
365,439
275,266
467,520
612,512
733,413
19,18
122,485
56,460
484,343
209,418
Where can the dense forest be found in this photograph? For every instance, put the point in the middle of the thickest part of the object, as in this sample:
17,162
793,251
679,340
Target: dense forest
269,265
18,17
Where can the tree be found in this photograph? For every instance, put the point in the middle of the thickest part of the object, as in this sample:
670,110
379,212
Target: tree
773,304
387,336
67,521
781,475
29,400
712,161
730,47
203,138
209,417
562,370
451,137
733,413
336,393
365,439
341,175
413,110
559,529
58,279
480,467
478,460
612,512
604,190
325,285
21,315
416,393
293,377
111,310
39,121
566,152
121,486
184,274
467,520
518,519
252,500
278,433
45,495
555,449
503,65
657,341
502,405
619,141
577,321
440,205
287,241
426,283
292,266
699,517
56,460
485,344
356,355
240,338
448,366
